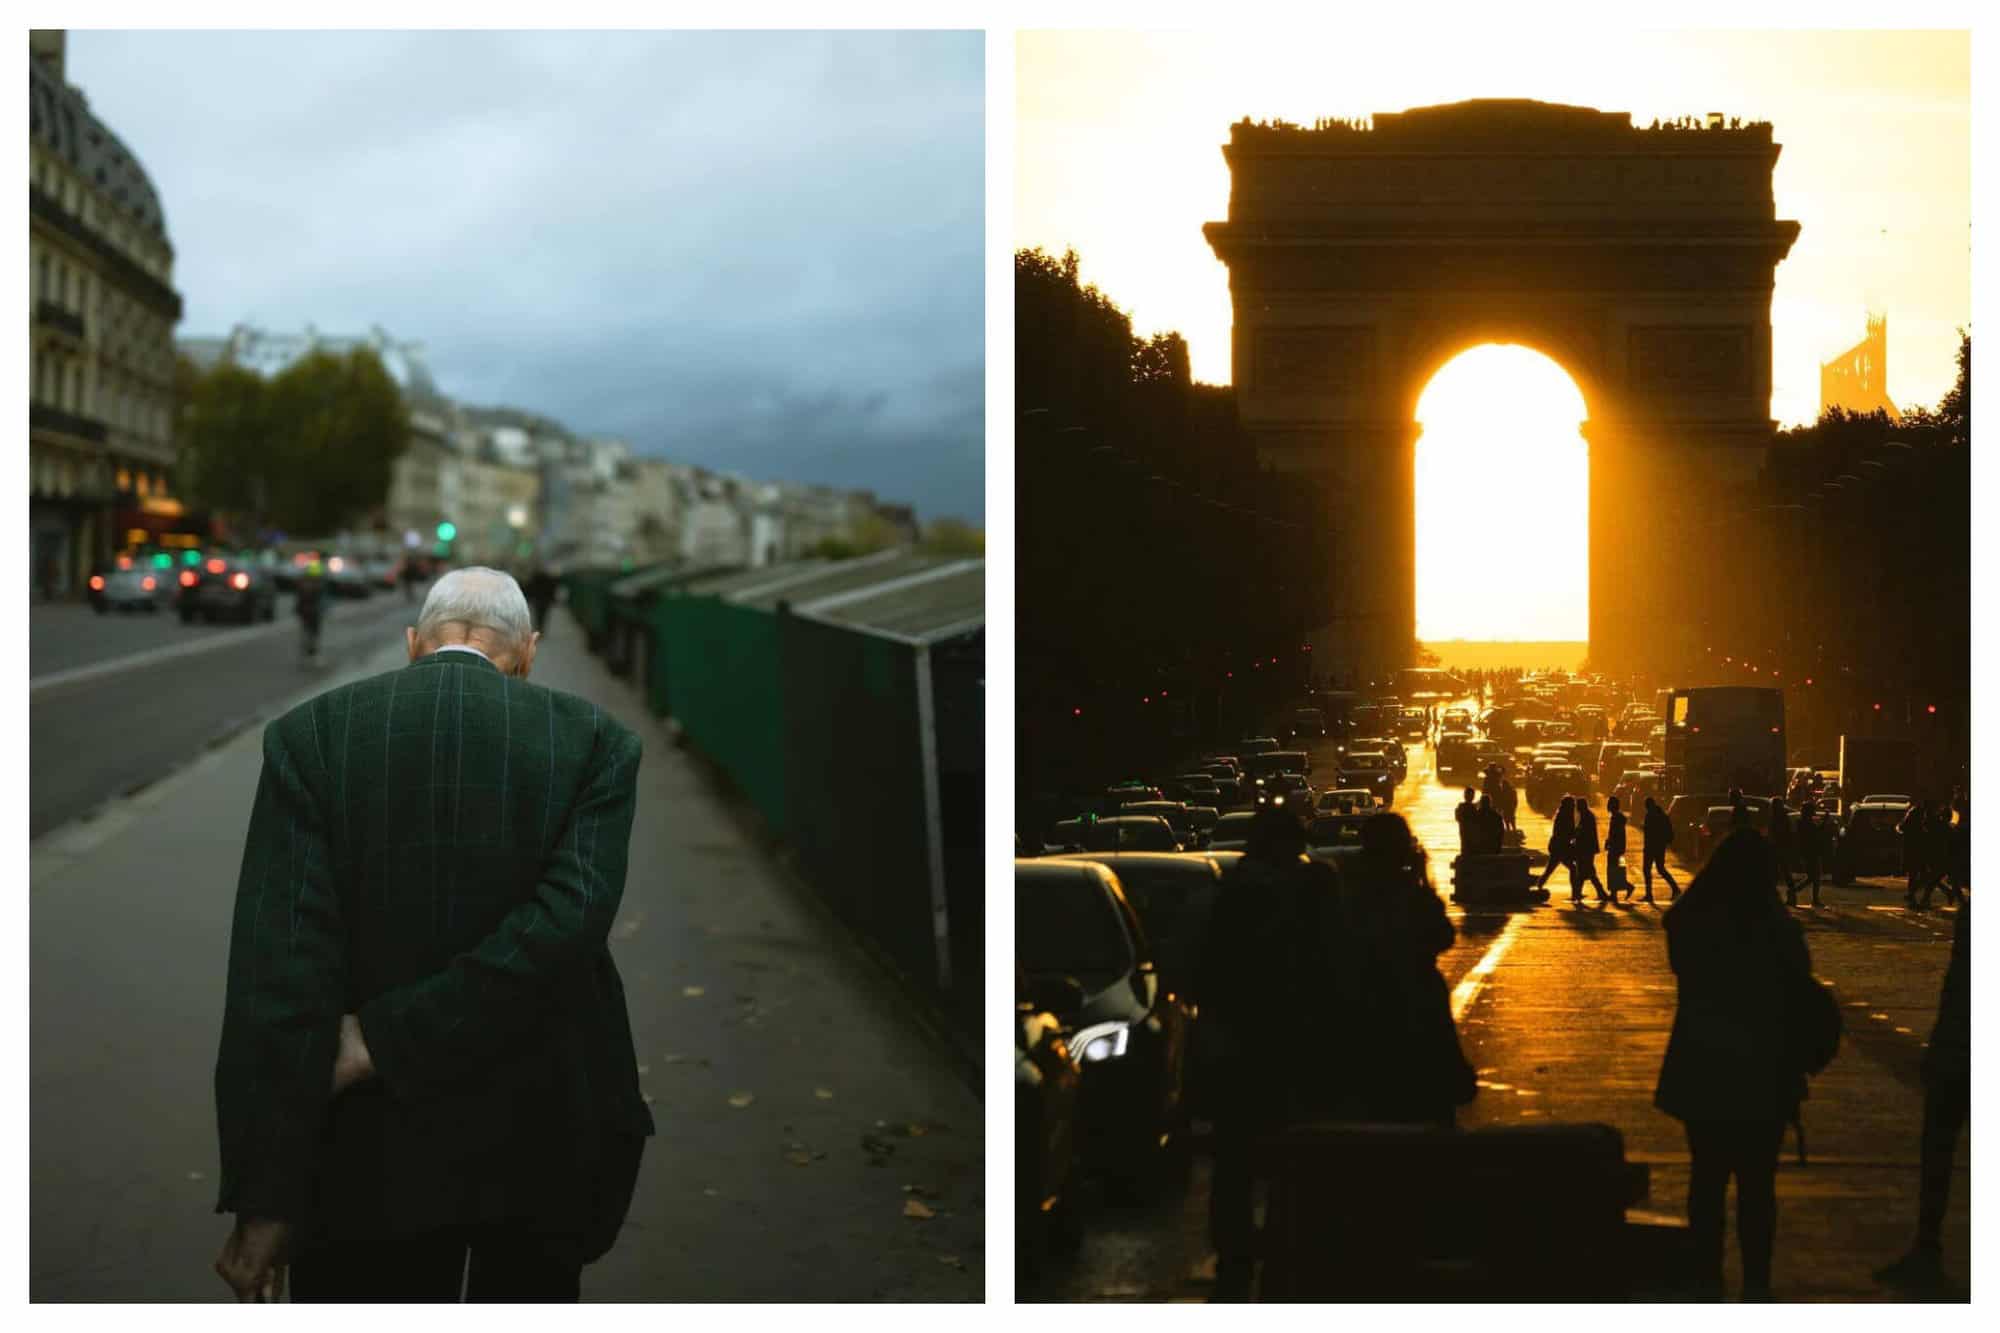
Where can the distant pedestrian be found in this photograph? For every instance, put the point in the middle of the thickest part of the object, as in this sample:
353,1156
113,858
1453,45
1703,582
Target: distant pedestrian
1727,1075
542,588
426,1081
1779,834
1938,854
1614,851
1562,830
1463,813
1961,845
1485,833
1656,839
1811,843
1947,1075
1740,815
1583,847
1915,845
1509,803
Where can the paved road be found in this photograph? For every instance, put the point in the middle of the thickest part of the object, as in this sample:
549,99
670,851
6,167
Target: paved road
1567,1019
102,737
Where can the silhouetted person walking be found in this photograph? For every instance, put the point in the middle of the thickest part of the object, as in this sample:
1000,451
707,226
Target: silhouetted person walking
1938,853
1462,814
1561,831
1947,1072
1656,837
1509,803
1583,848
1614,851
1727,1075
1914,847
1779,834
1811,841
1269,949
1398,1057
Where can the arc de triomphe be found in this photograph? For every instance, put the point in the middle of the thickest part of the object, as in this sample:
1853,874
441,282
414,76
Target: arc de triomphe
1361,260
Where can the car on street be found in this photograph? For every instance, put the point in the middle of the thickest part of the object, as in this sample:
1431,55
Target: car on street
345,577
1870,841
1174,812
1456,719
1370,771
384,573
1117,833
1130,1031
139,588
1192,787
1047,1082
1549,783
1454,753
1232,832
1689,812
1284,789
1389,748
1307,723
1345,800
1331,837
1411,724
1173,893
1124,792
244,592
1255,745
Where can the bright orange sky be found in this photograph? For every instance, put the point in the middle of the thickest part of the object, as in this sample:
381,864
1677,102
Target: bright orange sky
1119,137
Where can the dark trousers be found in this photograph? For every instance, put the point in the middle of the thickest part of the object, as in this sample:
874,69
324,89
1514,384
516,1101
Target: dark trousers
1649,861
486,1263
1947,1104
1747,1150
1582,871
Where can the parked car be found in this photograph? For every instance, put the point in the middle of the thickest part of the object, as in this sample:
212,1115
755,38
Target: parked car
241,592
1046,1087
1072,921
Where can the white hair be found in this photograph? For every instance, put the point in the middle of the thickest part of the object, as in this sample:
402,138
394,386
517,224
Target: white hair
478,598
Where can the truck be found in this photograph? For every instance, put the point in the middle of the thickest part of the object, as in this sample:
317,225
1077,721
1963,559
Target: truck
1876,766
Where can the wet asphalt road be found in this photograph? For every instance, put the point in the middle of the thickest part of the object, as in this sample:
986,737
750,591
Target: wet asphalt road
93,740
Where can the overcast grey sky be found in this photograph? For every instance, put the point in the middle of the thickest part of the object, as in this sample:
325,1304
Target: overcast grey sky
755,251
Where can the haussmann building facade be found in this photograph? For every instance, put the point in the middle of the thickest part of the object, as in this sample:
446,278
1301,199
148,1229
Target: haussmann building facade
101,317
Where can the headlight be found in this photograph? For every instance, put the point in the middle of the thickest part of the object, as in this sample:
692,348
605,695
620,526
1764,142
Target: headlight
1100,1042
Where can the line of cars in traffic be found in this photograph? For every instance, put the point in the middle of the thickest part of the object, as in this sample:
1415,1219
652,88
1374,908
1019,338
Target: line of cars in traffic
218,585
1111,909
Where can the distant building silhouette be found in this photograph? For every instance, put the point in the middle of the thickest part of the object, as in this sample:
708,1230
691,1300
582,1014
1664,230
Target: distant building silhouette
1858,379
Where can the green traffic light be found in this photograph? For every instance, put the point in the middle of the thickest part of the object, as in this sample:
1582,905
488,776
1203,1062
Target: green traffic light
447,531
190,557
163,561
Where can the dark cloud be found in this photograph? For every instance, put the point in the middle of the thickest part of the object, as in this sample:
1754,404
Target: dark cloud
758,251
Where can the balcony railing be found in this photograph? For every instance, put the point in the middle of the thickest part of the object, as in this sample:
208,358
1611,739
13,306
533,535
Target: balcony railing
53,316
43,417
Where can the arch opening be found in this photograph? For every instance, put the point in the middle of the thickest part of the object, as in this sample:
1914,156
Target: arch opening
1503,504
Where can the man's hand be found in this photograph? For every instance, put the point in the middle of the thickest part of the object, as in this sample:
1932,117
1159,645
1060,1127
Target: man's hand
253,1259
352,1063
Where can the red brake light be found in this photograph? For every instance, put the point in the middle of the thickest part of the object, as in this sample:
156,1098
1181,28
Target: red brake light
147,583
187,578
243,581
97,583
124,562
216,566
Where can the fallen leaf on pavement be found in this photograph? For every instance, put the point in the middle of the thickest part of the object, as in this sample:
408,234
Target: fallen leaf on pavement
693,992
197,1175
921,1191
712,1192
951,1261
741,1099
913,1208
799,1158
917,1131
824,1094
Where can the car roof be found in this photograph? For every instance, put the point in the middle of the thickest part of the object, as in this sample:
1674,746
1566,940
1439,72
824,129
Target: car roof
1173,863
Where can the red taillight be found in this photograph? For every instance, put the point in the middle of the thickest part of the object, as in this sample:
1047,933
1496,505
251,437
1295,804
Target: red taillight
124,562
147,583
240,581
187,578
216,566
97,583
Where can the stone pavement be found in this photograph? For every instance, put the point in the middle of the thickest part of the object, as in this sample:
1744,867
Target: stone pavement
801,1111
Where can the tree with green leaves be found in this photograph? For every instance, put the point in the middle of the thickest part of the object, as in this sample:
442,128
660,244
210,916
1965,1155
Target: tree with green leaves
309,450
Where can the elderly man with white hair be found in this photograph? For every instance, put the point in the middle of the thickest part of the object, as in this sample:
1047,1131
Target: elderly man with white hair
427,1087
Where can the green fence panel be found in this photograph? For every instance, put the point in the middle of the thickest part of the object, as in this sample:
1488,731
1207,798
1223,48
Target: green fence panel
723,687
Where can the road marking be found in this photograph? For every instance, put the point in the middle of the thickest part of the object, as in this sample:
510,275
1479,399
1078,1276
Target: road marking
151,656
1472,982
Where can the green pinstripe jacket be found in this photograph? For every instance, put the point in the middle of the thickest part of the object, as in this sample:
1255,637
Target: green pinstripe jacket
440,850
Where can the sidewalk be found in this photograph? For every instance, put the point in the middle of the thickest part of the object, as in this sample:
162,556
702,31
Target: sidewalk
800,1110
